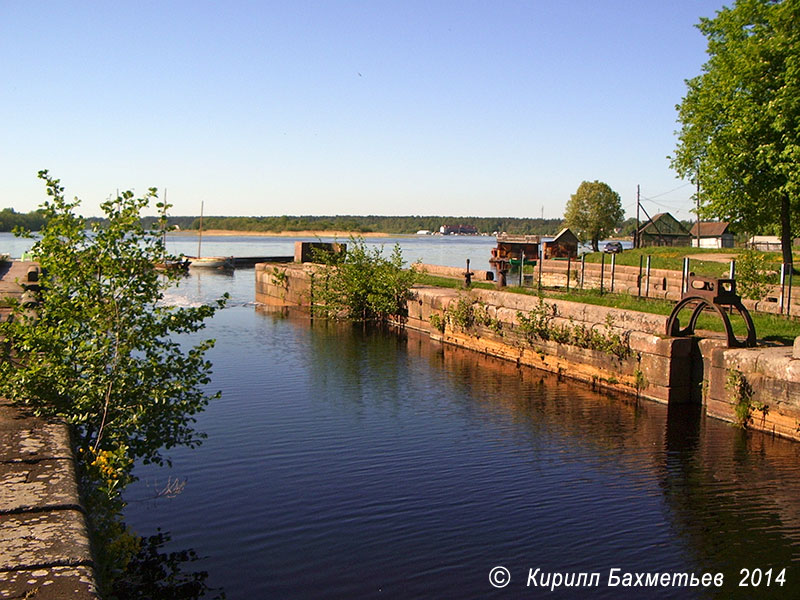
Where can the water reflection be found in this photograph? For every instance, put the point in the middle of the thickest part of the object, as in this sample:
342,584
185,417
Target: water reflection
732,496
346,461
154,572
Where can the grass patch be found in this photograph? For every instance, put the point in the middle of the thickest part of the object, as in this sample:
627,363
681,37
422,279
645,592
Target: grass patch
669,258
672,258
772,328
450,283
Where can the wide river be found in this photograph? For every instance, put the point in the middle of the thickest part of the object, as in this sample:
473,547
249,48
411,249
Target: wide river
350,462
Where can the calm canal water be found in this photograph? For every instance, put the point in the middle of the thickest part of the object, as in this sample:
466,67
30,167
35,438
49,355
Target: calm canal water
344,462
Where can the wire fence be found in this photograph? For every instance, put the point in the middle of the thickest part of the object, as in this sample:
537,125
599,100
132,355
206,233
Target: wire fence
771,286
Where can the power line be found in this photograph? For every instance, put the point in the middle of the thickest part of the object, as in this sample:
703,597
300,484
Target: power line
676,203
680,187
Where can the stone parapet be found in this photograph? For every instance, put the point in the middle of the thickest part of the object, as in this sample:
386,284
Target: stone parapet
284,285
453,272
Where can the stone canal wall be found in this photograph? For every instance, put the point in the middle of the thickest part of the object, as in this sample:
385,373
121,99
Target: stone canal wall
621,350
760,385
44,544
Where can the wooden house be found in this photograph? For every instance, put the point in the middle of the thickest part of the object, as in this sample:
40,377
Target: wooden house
564,245
712,235
663,230
511,249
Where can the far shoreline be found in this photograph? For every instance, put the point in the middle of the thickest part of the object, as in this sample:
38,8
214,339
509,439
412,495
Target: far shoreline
305,233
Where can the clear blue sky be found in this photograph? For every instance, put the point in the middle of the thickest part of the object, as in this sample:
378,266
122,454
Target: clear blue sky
292,107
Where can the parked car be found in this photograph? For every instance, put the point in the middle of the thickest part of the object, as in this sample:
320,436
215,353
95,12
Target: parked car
613,247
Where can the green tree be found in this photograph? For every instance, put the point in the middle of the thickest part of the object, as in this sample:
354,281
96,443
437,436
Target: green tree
740,119
101,352
593,212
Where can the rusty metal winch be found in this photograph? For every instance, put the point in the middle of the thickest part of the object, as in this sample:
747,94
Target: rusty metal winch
708,293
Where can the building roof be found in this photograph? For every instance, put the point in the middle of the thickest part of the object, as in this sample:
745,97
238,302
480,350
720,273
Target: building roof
663,224
710,229
518,239
565,235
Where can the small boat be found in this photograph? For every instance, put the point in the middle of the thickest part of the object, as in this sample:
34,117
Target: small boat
176,264
210,262
515,261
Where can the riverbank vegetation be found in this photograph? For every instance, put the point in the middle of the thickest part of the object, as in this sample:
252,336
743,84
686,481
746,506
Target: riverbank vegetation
361,284
594,212
738,139
103,352
11,219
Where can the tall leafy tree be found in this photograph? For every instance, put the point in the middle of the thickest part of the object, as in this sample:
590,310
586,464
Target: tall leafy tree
102,350
103,353
740,119
593,212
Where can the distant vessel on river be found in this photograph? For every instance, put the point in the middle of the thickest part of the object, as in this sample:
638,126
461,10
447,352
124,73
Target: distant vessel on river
208,262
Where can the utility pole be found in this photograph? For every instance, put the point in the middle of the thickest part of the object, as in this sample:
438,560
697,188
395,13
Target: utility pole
636,233
697,200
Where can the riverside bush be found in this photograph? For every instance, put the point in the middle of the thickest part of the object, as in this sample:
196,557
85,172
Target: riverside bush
752,274
361,284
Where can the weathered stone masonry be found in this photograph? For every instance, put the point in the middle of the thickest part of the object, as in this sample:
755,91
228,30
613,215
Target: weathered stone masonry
44,544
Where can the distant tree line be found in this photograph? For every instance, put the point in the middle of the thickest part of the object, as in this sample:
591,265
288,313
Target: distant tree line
358,224
373,223
32,221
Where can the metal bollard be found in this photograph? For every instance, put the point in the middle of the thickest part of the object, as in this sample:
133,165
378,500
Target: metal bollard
583,268
602,271
468,276
613,269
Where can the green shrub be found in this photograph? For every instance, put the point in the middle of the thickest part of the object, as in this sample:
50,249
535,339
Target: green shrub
437,322
363,285
752,275
537,324
742,393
